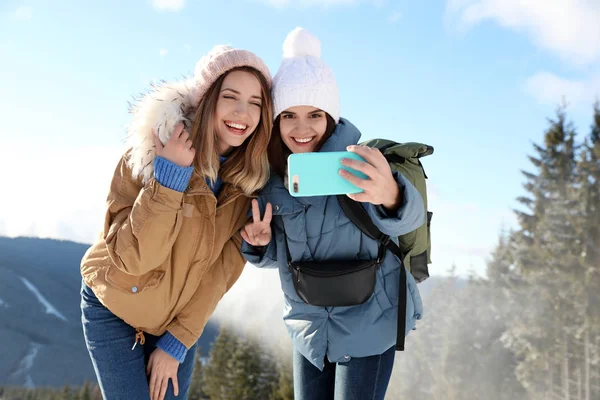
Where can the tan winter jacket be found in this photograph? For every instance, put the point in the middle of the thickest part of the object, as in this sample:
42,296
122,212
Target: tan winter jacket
164,258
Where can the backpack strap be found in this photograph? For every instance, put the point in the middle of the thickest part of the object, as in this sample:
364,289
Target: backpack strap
359,216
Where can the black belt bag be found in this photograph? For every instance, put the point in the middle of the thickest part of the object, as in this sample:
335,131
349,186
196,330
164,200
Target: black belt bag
335,283
347,283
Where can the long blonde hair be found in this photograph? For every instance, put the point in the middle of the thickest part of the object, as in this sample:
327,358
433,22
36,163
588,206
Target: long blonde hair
247,167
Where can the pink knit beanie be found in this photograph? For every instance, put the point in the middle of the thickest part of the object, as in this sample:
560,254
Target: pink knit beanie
218,61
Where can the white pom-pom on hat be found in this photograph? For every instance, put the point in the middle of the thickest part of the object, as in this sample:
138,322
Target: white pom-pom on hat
301,43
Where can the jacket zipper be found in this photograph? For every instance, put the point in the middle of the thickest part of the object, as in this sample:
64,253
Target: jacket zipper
327,274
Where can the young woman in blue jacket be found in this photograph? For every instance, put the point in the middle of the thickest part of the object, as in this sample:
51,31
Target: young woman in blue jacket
340,352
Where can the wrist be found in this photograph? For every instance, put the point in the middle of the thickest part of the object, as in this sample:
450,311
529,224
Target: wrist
172,346
395,200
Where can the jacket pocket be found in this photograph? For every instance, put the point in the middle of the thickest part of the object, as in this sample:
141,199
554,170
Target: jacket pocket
133,284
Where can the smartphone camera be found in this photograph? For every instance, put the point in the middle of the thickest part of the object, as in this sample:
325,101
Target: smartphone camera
295,184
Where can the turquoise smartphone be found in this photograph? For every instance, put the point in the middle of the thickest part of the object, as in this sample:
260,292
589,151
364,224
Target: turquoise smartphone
317,174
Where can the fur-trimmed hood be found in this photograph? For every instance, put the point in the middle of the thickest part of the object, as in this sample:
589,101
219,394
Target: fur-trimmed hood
157,112
168,104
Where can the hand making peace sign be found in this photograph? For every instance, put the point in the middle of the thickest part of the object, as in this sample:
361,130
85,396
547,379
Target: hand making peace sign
258,232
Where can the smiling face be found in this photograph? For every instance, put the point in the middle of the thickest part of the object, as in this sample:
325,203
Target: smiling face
238,109
302,128
298,129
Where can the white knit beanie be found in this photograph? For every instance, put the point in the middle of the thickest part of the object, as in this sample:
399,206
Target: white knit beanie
303,79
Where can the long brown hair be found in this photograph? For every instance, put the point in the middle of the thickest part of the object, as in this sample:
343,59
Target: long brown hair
279,152
247,166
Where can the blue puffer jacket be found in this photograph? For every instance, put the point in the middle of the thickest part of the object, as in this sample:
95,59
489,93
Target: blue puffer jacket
318,230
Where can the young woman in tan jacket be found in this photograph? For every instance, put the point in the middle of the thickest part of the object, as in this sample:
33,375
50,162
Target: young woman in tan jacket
170,247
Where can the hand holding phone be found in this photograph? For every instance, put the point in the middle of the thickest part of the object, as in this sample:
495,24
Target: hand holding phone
318,174
380,188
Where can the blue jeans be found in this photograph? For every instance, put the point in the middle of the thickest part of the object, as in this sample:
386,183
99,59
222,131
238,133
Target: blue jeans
121,372
364,378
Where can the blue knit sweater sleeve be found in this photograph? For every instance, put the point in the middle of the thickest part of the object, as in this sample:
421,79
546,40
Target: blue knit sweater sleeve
173,347
172,175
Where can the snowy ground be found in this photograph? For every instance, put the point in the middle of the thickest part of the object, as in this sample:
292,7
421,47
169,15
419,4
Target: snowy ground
24,371
50,309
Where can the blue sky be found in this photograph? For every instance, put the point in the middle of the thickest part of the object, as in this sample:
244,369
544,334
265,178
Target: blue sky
474,78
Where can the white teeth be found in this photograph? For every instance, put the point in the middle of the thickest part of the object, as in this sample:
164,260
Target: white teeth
236,126
305,140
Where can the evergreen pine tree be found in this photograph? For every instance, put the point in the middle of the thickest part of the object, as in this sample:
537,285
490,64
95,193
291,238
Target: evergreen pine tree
84,393
196,387
547,249
253,373
216,376
284,390
66,393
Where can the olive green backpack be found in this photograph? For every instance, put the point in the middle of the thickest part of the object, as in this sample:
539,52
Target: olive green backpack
415,246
